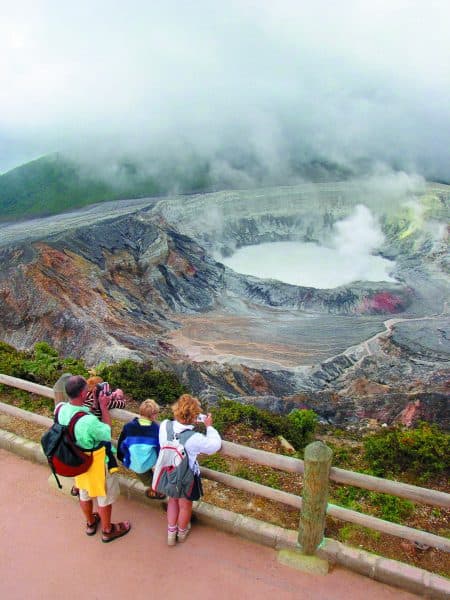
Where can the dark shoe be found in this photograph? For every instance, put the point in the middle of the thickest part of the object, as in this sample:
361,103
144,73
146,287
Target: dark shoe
152,495
91,528
117,530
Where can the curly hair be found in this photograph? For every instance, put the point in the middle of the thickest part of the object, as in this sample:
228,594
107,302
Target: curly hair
92,382
186,409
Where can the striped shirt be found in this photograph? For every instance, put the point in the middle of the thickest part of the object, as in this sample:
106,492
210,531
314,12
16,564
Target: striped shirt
94,408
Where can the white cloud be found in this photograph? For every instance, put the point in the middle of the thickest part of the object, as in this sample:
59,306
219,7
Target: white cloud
348,81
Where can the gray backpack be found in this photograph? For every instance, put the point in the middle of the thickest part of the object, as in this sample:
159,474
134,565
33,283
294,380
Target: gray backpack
172,475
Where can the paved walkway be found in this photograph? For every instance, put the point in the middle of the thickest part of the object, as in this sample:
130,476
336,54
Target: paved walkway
44,554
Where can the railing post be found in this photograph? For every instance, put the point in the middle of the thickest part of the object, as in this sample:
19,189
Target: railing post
314,496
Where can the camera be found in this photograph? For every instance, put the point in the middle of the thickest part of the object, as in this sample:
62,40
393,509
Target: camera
201,418
102,387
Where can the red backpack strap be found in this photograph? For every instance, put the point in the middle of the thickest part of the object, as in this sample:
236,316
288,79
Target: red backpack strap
56,413
74,420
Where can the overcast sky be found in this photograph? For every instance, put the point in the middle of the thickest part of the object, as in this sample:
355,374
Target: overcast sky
345,81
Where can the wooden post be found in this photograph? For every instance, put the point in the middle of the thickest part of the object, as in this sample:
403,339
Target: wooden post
314,497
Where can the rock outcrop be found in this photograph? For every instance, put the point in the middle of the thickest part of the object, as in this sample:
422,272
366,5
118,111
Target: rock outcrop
144,283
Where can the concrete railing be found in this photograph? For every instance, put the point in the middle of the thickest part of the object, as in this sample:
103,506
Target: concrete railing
316,470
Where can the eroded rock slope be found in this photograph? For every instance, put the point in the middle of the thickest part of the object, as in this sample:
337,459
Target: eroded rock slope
144,283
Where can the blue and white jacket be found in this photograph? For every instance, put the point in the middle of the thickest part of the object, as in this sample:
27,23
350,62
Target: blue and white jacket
138,446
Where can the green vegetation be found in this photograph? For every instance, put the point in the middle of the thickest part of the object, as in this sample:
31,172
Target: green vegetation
257,474
228,412
46,366
142,380
301,427
385,506
52,184
423,451
43,365
351,534
216,462
12,361
47,186
298,427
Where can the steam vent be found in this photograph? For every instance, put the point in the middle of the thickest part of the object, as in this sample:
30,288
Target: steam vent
148,279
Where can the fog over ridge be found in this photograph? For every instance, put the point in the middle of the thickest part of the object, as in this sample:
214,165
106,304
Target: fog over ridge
255,89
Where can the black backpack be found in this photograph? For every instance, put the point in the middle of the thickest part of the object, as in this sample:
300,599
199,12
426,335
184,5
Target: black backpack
64,456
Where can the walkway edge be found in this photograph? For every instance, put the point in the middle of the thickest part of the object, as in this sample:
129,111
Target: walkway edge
386,570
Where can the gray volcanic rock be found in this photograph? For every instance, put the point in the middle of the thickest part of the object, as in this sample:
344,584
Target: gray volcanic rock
144,282
357,298
429,339
103,292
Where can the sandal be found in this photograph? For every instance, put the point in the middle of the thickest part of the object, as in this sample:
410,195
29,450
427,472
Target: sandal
91,528
117,531
74,491
152,495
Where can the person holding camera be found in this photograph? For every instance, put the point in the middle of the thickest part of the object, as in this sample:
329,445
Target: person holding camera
95,386
115,399
187,412
92,434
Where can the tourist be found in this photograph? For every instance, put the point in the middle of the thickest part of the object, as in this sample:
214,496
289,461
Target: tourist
97,483
138,445
179,510
115,398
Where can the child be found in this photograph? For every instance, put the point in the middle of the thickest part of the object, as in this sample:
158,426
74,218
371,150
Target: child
138,445
116,398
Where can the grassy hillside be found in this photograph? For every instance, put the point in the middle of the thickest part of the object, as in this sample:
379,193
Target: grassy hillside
52,184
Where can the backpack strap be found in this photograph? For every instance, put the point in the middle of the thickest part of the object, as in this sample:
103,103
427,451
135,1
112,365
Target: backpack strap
169,430
57,409
186,433
73,421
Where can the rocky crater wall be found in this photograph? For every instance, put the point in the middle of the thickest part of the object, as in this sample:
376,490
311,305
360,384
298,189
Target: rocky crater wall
107,289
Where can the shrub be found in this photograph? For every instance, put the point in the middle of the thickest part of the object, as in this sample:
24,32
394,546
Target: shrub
216,462
386,506
34,403
341,455
298,427
12,361
424,451
45,366
354,534
301,427
141,381
228,412
349,496
390,507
